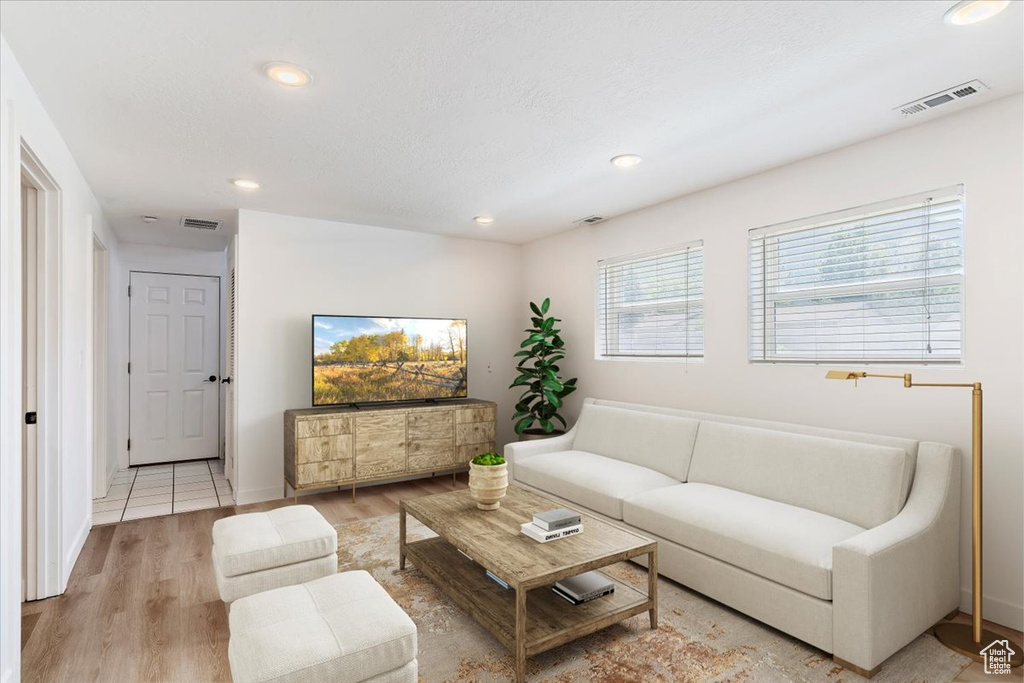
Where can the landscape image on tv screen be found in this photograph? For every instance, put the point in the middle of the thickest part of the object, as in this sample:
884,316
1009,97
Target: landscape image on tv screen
365,360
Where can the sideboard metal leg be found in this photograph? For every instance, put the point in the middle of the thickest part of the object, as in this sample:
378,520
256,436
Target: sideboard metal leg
353,492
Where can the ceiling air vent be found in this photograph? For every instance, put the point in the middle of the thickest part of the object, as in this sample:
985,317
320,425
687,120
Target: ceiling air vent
957,92
200,223
589,220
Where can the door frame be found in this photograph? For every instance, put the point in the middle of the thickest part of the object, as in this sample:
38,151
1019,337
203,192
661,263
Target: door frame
220,351
99,418
44,504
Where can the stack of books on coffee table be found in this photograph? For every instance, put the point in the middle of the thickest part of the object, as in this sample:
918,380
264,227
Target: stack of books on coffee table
551,525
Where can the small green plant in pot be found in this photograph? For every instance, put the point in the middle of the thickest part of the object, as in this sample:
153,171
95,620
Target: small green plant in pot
537,409
488,480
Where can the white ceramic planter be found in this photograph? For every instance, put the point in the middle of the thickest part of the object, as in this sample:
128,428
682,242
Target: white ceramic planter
488,484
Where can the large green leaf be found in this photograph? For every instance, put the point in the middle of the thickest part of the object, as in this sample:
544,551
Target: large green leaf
524,424
553,385
545,306
535,309
561,419
547,426
553,398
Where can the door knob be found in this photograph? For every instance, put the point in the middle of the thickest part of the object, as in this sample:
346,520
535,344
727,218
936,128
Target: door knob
212,378
226,380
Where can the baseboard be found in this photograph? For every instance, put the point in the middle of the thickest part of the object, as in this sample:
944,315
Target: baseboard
75,550
258,495
263,495
997,611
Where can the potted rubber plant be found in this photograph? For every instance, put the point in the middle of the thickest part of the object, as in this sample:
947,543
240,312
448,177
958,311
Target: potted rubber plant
543,390
488,480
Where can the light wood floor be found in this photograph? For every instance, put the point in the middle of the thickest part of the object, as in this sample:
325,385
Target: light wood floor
142,603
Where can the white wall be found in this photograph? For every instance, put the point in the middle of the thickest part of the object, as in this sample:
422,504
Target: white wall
153,259
980,147
289,268
23,118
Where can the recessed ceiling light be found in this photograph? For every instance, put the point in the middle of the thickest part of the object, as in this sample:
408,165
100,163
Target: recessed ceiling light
483,220
626,160
245,184
287,74
973,11
150,219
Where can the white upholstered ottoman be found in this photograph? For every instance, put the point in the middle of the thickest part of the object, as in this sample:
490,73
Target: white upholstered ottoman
339,629
258,551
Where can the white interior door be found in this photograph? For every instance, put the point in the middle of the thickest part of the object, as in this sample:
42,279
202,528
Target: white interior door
174,385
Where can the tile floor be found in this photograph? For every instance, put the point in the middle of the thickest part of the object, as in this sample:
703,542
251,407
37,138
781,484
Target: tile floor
153,490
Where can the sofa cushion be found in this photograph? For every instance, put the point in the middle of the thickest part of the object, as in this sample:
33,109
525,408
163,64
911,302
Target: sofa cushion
264,540
593,481
342,628
857,482
910,446
662,443
783,543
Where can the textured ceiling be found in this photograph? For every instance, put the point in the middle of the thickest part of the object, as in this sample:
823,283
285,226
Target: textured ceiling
424,114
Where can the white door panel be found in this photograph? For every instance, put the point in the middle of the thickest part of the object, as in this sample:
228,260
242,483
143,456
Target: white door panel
175,350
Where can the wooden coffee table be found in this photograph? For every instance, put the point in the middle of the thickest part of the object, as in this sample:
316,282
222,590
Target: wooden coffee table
528,618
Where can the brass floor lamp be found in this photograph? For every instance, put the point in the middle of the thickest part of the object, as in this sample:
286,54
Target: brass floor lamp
966,639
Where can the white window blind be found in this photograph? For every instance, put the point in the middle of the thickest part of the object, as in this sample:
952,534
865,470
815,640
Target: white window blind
881,283
652,305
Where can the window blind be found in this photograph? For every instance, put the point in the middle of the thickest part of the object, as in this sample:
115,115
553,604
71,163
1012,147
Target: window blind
878,284
652,304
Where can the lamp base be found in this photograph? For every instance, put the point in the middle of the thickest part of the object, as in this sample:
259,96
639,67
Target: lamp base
960,638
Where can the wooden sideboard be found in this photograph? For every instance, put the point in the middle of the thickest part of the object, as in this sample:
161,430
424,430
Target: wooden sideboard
325,447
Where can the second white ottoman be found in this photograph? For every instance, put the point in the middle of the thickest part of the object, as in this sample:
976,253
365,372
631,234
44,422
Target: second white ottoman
340,629
258,551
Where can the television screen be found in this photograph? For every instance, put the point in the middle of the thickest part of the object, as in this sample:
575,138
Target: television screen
367,360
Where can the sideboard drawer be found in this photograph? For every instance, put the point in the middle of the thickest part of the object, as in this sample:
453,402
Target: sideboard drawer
317,449
431,425
474,432
479,414
322,426
431,454
328,471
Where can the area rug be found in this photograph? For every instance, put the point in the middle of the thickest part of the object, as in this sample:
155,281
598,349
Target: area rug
698,639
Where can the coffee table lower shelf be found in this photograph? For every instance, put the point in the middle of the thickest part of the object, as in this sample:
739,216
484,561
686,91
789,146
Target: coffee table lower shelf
551,620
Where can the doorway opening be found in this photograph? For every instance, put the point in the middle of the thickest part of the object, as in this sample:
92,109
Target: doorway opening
42,571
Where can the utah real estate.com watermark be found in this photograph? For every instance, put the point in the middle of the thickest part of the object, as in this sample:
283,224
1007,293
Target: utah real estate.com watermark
997,657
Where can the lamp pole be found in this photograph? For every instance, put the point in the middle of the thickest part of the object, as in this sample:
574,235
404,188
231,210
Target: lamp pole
966,640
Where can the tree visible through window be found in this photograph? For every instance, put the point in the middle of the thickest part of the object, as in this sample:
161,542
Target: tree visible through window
882,283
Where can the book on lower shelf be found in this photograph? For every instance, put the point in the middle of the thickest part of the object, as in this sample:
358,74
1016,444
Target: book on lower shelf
496,579
584,588
540,535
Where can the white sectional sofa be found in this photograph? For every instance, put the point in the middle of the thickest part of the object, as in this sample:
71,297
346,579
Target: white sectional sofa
847,541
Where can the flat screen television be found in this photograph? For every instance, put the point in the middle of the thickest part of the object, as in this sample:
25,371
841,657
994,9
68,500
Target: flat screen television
375,360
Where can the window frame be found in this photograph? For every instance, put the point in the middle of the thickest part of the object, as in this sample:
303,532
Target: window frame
601,333
770,273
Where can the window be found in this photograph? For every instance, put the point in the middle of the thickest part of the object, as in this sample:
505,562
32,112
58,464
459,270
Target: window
652,305
882,283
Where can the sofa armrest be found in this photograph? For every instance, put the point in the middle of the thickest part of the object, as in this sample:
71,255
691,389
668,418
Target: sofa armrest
893,582
521,450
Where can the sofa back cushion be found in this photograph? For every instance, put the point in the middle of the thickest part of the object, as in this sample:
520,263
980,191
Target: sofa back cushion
908,445
857,482
662,443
